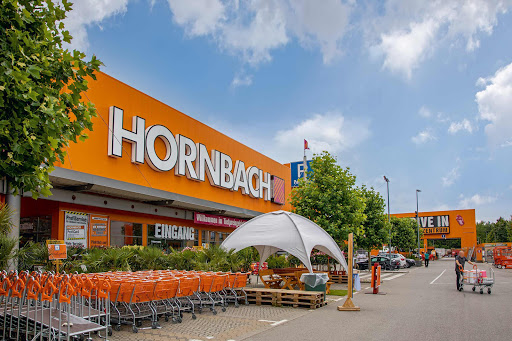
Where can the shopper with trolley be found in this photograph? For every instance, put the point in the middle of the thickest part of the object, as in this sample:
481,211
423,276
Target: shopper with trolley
460,260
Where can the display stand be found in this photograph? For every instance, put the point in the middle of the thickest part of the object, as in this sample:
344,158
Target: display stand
349,305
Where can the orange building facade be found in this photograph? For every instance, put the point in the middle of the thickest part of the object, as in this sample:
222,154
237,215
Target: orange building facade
456,224
149,174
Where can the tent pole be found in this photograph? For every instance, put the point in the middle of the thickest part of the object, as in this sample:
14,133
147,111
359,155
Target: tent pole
349,305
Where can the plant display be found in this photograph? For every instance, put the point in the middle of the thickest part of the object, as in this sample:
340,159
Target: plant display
7,244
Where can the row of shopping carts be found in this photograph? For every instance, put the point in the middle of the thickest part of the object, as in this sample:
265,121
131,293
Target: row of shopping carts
150,295
50,306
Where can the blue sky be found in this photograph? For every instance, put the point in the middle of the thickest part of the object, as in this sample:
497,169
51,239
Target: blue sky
419,91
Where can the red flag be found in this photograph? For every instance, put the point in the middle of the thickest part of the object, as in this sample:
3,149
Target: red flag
306,145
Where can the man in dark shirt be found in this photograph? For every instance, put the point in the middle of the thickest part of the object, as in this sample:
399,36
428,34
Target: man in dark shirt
460,260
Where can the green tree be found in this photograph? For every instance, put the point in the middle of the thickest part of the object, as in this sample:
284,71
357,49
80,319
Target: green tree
482,229
376,225
403,233
330,198
500,231
41,84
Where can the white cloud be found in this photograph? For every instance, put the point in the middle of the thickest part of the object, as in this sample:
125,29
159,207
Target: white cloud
90,12
424,112
330,132
241,80
495,105
199,17
409,31
450,178
254,28
320,23
465,124
404,49
264,31
423,137
476,200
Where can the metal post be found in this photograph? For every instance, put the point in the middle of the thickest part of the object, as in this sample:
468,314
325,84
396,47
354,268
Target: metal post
389,221
418,219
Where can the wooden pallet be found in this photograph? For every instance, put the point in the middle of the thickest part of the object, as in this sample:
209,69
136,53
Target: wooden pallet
339,278
283,297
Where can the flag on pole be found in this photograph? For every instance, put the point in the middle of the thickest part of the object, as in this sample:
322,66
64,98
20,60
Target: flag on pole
306,146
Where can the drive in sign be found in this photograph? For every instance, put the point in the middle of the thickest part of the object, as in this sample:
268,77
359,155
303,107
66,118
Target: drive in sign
435,224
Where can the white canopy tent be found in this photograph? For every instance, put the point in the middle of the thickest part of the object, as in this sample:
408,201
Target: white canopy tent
282,230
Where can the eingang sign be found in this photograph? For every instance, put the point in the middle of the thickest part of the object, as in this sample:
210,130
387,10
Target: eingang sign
174,232
189,159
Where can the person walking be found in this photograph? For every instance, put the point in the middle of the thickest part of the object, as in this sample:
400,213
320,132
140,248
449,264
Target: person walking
460,260
427,258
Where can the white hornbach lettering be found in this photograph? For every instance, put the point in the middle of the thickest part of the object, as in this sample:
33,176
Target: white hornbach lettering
174,232
188,159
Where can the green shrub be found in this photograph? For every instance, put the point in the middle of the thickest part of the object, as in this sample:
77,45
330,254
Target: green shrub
277,262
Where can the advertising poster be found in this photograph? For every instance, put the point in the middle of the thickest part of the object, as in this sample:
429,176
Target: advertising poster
99,231
57,251
75,229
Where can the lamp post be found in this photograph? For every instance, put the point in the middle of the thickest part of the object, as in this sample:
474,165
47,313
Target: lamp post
418,219
389,221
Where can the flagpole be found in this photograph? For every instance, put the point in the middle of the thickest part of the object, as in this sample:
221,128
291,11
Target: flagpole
305,164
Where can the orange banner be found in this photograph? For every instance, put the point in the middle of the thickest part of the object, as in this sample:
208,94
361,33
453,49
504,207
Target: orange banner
99,231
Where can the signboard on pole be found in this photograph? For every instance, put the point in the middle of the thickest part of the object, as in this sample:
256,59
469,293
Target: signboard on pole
75,229
57,251
297,171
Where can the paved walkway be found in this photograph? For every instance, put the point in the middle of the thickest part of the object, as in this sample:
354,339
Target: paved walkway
245,322
422,305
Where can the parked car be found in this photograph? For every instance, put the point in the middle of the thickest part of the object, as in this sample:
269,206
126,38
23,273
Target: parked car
410,262
401,259
383,261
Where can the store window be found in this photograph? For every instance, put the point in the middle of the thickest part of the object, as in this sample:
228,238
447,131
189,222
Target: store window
213,237
124,233
35,229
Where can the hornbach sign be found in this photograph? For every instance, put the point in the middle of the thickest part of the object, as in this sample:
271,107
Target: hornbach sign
190,159
435,224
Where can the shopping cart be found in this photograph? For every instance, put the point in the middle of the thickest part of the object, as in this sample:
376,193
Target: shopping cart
234,288
43,306
476,279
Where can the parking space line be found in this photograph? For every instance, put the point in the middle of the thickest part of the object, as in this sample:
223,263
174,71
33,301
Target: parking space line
274,323
392,277
438,277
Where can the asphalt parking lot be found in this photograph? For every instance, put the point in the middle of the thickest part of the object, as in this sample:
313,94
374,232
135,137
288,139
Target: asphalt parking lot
420,303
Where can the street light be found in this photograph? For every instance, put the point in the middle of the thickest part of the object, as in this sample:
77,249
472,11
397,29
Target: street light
418,219
389,221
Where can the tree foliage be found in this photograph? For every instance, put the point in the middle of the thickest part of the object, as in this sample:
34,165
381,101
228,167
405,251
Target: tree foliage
404,233
41,84
330,198
376,224
498,232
